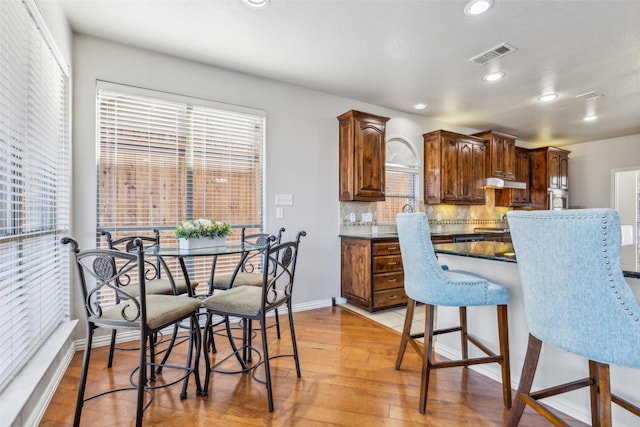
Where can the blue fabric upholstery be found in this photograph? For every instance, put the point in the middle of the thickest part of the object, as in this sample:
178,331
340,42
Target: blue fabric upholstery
575,295
427,282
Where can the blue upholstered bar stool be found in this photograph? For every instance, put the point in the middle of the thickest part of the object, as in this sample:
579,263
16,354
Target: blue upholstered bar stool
427,282
575,298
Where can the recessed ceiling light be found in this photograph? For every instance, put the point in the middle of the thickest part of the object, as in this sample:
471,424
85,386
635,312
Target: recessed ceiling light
589,118
477,7
492,77
420,106
258,4
547,97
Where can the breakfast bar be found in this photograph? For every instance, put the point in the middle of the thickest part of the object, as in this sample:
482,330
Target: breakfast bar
497,262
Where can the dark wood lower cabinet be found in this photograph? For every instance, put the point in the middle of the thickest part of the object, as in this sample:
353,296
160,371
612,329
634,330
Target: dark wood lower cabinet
371,273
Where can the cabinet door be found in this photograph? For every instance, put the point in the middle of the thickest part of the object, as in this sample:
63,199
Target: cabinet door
508,158
554,169
479,174
361,171
563,177
465,171
501,156
355,271
432,169
370,161
522,197
449,173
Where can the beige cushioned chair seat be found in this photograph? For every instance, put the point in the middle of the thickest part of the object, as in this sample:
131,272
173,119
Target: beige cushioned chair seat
160,287
240,301
242,279
161,310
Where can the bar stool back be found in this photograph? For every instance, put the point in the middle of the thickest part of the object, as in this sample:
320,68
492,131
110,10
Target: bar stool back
575,298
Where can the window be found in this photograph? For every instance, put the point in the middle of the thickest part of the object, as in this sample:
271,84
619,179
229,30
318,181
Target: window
34,186
164,158
402,176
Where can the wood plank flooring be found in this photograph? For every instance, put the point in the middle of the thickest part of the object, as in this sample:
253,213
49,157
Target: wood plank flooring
348,379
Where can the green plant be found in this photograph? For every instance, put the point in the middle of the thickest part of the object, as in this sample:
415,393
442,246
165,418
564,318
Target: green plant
199,228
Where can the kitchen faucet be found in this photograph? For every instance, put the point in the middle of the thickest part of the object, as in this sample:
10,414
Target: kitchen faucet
407,208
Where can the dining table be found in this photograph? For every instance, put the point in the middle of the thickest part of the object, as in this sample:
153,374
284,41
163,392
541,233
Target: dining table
166,251
163,252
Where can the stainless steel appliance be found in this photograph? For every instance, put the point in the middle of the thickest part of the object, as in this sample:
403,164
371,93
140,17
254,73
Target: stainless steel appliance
465,239
558,199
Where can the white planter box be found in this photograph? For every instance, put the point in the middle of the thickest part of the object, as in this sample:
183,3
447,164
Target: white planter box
202,243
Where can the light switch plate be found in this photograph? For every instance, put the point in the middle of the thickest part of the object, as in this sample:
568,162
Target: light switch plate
279,213
284,199
367,217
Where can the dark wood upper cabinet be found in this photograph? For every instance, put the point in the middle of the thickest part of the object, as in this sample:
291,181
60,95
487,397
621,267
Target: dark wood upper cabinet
515,197
501,154
362,156
454,168
549,170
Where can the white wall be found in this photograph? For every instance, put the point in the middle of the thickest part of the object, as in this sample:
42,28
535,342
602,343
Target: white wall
301,150
590,166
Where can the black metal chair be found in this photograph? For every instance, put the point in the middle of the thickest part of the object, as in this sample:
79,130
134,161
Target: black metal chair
254,302
103,271
248,272
155,284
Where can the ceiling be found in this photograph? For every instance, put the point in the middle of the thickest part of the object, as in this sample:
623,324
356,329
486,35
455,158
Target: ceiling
396,53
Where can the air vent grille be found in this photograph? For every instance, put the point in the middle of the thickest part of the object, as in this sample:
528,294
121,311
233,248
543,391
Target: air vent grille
493,54
590,96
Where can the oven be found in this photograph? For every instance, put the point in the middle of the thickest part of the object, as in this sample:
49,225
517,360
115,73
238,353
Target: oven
558,199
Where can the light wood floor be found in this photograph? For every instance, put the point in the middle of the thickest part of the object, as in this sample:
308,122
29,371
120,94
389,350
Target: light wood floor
348,379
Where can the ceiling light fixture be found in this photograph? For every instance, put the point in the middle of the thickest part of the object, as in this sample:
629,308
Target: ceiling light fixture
589,118
258,4
492,77
420,106
477,7
547,97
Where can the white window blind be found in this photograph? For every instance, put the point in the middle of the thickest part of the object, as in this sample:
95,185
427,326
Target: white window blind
34,186
164,158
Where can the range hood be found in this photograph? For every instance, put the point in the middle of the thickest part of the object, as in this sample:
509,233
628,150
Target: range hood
501,183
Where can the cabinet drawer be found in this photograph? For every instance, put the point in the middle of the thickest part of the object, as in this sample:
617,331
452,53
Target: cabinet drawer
389,297
388,281
383,264
386,248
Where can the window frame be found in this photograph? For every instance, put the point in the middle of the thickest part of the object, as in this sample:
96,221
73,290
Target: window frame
35,186
192,169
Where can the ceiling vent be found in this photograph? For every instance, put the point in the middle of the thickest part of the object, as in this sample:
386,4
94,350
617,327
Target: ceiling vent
590,96
493,54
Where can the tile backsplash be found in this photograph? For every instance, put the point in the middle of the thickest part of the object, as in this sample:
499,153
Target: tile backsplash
445,217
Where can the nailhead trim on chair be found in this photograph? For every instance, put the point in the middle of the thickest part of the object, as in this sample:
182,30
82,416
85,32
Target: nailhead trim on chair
606,261
608,267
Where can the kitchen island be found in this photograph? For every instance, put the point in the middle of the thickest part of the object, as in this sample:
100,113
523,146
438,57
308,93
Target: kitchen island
497,262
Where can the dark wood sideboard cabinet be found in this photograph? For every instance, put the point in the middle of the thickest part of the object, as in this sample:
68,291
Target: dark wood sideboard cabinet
371,273
362,157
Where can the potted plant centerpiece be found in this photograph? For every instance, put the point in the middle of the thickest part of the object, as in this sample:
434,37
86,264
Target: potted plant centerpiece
202,233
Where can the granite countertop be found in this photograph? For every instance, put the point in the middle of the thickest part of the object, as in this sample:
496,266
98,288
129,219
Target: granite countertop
496,251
